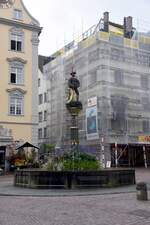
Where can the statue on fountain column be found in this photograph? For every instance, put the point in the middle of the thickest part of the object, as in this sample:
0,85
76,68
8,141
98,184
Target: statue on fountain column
73,104
73,84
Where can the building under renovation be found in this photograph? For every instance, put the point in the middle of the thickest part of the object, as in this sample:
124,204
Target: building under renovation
112,62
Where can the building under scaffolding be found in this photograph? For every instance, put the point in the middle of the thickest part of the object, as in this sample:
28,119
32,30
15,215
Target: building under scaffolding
112,62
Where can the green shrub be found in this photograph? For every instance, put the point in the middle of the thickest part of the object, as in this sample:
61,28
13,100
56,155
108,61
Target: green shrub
48,148
80,161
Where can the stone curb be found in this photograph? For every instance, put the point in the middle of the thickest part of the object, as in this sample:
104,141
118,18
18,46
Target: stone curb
70,194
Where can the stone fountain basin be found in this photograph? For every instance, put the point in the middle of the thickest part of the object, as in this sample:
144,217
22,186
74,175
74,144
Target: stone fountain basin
36,178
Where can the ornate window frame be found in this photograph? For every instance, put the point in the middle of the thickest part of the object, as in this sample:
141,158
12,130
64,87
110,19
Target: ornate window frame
17,35
16,64
16,102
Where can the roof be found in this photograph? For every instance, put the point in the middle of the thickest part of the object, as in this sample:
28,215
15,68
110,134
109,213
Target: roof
26,145
42,60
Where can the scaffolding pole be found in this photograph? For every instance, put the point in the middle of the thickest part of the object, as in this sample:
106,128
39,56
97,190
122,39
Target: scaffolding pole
103,153
144,153
116,155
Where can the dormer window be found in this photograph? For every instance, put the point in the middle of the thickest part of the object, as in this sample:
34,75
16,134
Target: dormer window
17,14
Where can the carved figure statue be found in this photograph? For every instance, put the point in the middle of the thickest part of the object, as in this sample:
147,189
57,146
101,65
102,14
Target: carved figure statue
73,84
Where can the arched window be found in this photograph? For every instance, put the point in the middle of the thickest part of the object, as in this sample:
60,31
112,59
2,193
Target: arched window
16,102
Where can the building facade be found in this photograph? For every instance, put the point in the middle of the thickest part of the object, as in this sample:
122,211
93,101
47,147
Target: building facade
112,62
42,101
19,41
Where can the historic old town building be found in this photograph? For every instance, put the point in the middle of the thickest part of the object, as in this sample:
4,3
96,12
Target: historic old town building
112,62
18,73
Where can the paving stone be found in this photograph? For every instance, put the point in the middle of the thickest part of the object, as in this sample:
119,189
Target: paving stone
110,209
99,208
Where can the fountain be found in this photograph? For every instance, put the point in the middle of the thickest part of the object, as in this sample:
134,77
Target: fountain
75,176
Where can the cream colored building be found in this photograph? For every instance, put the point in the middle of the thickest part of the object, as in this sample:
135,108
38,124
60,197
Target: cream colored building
19,33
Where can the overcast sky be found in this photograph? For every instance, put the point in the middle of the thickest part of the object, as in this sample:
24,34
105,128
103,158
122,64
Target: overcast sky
62,20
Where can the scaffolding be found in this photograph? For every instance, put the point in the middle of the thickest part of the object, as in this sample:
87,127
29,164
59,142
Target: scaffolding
112,62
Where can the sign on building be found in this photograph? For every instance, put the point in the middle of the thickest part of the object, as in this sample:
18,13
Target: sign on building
143,138
92,101
91,119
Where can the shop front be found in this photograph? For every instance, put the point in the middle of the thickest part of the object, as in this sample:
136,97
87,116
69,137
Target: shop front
130,155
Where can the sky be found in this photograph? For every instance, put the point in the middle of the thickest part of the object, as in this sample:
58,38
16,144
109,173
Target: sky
63,20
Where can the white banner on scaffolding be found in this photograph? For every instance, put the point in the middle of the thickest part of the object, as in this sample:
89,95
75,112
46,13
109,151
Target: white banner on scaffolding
91,123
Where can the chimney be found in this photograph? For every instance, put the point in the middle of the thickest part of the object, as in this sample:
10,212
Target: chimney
129,24
128,27
106,21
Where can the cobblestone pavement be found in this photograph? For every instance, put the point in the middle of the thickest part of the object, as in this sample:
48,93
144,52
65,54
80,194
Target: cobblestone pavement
120,209
97,207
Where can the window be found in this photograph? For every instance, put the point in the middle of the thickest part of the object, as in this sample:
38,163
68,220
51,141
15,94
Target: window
39,82
16,42
146,103
93,56
16,103
45,97
40,116
40,133
45,115
117,54
118,77
40,99
146,126
93,77
45,132
17,14
16,74
144,82
119,106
